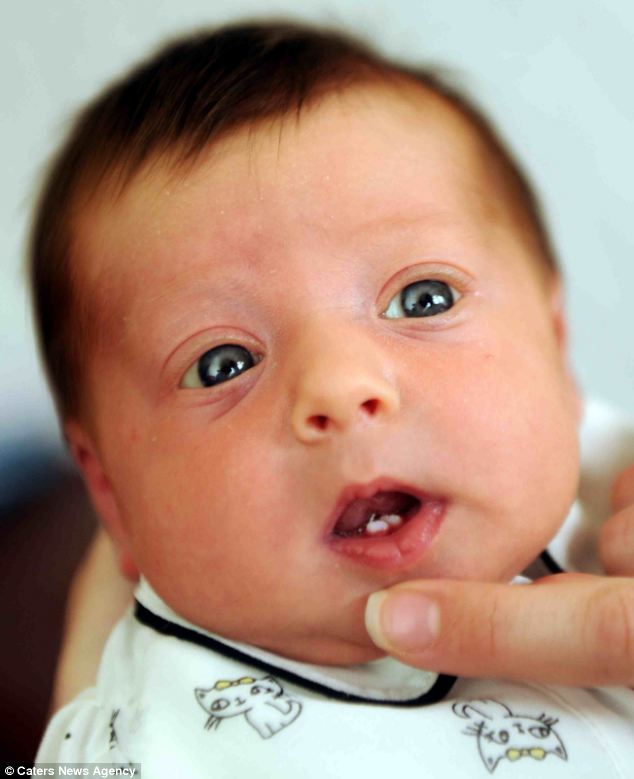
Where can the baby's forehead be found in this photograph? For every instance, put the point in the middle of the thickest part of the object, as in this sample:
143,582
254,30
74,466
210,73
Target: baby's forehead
313,154
345,168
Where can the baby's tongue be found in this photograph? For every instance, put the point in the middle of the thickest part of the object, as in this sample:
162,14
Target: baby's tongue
357,513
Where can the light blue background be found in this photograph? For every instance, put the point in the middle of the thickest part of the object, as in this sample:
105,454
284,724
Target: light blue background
555,74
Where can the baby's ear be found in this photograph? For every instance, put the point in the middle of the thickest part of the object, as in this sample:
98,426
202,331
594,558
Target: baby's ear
558,311
560,325
102,495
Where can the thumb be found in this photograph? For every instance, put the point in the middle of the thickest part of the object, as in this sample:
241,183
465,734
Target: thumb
616,543
565,629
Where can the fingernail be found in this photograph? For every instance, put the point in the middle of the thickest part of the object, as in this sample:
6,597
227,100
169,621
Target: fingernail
402,621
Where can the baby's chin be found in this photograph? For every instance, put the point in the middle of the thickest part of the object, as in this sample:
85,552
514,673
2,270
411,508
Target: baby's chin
323,651
342,639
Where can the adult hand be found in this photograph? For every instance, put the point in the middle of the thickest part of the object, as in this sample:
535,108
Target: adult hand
564,629
616,543
99,595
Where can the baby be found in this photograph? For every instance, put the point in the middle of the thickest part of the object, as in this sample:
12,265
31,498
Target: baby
304,330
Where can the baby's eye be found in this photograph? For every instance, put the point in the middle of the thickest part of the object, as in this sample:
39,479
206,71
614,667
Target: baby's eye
422,298
219,364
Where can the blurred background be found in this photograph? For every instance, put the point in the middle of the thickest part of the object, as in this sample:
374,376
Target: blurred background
556,77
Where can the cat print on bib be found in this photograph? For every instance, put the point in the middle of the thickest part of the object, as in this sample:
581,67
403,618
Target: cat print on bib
262,702
503,735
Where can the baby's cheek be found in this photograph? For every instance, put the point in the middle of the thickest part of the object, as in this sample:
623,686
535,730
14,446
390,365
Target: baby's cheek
518,422
542,443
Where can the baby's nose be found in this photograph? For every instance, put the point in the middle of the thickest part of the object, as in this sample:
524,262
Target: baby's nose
343,385
341,406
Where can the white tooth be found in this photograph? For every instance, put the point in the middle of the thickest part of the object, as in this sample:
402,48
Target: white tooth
394,520
376,526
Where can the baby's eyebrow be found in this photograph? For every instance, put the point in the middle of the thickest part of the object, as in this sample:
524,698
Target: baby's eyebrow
431,218
182,300
197,287
163,317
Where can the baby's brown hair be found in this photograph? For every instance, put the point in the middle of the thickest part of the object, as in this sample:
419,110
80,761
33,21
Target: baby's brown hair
187,96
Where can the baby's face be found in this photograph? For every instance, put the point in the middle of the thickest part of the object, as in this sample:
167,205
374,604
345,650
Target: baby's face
331,364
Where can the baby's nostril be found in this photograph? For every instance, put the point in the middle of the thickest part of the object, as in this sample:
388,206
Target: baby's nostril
319,421
370,406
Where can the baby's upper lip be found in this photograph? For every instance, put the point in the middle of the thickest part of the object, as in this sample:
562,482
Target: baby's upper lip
360,491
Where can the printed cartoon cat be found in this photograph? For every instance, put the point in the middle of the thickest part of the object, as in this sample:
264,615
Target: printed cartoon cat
502,734
262,702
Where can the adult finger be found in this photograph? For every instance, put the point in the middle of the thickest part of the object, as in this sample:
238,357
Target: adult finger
616,543
623,489
570,629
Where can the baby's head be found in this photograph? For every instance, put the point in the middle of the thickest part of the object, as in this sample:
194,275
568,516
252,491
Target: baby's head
304,331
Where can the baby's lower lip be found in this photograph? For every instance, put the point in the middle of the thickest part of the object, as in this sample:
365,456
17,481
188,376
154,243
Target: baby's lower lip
402,547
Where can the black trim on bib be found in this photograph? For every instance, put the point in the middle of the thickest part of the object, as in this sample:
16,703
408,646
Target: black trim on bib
550,562
438,691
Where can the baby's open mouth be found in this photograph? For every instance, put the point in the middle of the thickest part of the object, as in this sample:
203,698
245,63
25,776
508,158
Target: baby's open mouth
379,515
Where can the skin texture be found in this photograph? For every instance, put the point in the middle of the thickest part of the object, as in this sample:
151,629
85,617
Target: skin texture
292,241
